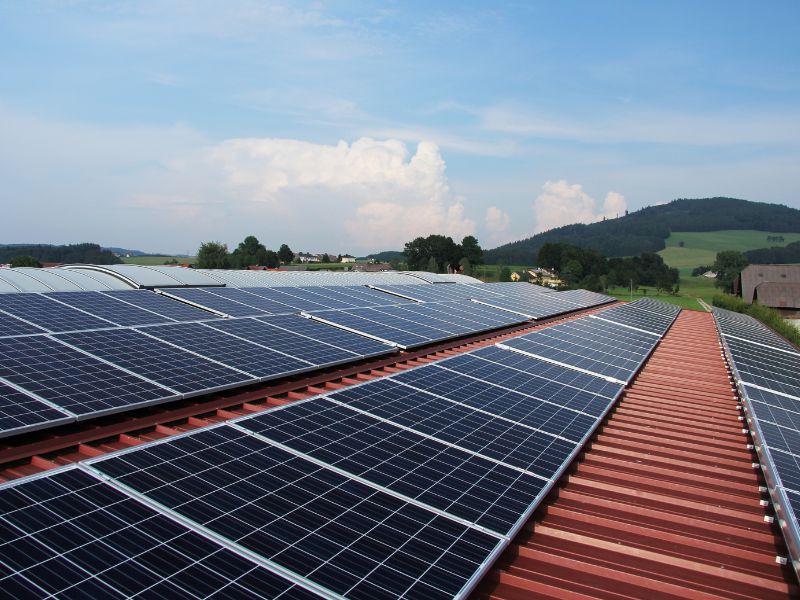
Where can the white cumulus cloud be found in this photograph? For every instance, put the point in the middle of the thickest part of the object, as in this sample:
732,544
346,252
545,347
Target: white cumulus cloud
379,193
563,204
497,222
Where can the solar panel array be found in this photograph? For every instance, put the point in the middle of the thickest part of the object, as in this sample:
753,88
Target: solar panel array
767,372
68,356
612,344
408,326
71,356
409,486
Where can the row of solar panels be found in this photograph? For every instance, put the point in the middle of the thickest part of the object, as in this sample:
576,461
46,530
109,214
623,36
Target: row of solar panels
403,487
22,314
767,371
113,351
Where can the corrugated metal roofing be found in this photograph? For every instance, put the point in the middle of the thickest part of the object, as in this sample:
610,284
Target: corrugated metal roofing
665,503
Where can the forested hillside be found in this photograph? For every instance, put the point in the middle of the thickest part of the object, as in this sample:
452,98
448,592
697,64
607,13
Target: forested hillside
645,230
788,254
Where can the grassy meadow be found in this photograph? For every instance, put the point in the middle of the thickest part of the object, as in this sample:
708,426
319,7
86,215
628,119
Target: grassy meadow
701,247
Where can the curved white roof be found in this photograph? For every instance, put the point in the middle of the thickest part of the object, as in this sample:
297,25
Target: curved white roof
299,278
23,282
30,279
141,276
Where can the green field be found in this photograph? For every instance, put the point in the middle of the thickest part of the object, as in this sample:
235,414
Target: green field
701,247
157,260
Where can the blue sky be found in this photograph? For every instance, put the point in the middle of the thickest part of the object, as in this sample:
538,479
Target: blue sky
354,127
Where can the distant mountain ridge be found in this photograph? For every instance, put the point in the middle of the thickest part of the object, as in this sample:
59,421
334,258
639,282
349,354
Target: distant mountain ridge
646,230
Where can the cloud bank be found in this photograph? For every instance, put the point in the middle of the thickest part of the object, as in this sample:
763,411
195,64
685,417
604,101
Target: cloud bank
563,204
377,191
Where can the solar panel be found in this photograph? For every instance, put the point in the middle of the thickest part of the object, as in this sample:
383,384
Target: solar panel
558,345
446,478
537,306
244,296
363,296
495,438
331,299
547,413
11,326
773,369
419,319
20,412
70,535
412,325
211,302
156,361
504,367
285,295
298,346
235,352
368,323
43,312
479,313
176,311
72,380
639,318
108,308
319,332
350,538
585,298
747,328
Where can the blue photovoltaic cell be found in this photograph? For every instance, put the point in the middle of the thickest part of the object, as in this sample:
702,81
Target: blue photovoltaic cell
348,537
232,351
263,305
515,445
321,296
166,365
785,465
418,318
359,321
630,315
108,308
211,301
20,412
72,380
547,414
537,306
773,369
504,364
172,309
70,535
592,357
449,479
295,345
327,334
297,301
748,328
11,326
485,317
363,296
43,312
771,398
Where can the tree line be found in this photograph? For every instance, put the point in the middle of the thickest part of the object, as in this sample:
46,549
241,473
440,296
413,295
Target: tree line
439,254
215,255
588,269
72,253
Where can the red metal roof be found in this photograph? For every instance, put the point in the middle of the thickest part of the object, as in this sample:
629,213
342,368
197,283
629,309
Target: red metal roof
665,503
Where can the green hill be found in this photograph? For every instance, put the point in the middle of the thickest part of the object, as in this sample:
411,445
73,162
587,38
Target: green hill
700,248
648,229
